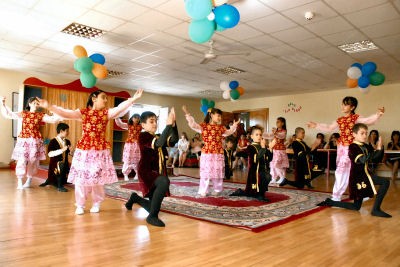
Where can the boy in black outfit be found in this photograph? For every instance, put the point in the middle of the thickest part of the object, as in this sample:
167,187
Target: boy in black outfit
152,168
58,151
229,157
303,175
362,182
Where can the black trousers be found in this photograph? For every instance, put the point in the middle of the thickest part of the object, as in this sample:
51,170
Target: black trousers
156,196
356,205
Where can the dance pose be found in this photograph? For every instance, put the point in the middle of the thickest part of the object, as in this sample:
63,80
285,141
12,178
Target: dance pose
92,165
29,149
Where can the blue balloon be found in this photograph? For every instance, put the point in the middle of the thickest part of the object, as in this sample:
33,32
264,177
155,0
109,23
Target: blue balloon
204,109
226,16
198,9
363,82
358,65
98,58
368,68
233,85
201,31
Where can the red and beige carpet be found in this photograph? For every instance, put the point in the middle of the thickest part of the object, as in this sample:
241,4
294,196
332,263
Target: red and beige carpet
242,212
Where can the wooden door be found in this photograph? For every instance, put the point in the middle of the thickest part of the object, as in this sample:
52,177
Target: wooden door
259,117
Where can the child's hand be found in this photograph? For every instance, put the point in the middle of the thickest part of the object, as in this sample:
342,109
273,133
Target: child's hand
235,123
137,95
381,111
171,117
263,143
272,144
43,103
185,110
311,124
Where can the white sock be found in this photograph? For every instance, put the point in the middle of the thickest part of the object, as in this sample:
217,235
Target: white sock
126,178
20,186
28,182
280,180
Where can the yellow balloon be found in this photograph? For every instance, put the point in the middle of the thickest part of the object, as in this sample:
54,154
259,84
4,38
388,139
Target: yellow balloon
80,51
99,71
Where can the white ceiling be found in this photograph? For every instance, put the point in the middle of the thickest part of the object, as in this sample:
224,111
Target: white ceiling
148,40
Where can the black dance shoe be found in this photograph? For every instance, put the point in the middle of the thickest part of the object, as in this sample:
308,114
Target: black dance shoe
155,221
133,199
326,203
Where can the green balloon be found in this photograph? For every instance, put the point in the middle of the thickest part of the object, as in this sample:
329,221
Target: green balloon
200,31
204,102
84,64
88,80
211,104
376,78
234,94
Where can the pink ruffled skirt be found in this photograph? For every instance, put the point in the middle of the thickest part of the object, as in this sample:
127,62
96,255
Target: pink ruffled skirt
131,154
29,149
92,167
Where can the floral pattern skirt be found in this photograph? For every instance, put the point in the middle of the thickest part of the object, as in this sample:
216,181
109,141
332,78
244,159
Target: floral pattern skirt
92,167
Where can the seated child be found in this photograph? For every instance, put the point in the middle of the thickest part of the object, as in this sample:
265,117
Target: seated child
58,151
152,169
301,153
362,182
229,157
258,176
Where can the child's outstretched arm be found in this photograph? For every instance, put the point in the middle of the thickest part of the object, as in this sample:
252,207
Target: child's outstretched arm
232,129
51,119
6,111
192,124
373,118
322,126
123,107
121,124
62,112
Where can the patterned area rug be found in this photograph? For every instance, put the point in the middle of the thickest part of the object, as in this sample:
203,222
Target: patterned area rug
241,212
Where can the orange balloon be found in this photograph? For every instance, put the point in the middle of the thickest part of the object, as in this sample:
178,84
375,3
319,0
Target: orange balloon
99,71
80,51
240,90
352,83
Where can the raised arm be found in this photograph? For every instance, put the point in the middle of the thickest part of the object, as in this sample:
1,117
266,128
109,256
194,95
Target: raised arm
373,118
232,129
51,119
191,122
123,107
121,124
62,112
6,111
323,127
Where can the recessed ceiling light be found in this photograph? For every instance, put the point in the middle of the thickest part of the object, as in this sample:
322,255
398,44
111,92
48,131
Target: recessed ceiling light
84,31
229,70
358,47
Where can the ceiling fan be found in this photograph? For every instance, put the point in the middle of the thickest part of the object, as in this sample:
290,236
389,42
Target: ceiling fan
210,54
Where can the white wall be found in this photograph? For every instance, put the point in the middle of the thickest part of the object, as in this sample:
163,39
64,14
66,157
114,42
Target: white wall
325,107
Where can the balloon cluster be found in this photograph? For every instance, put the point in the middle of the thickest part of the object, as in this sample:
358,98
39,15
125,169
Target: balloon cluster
231,90
363,76
206,104
91,68
209,16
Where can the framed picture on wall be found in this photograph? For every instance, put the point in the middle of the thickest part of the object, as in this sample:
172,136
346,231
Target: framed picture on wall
15,109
